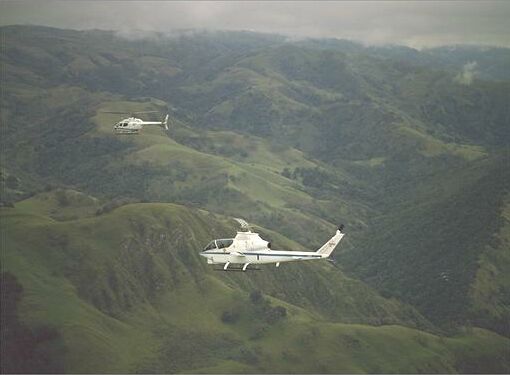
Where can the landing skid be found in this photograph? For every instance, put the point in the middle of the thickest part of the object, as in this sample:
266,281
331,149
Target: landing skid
236,269
135,132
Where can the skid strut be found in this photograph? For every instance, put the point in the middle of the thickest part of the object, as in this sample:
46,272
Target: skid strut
231,268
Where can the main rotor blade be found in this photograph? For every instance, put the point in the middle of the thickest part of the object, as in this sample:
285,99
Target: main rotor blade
128,113
243,223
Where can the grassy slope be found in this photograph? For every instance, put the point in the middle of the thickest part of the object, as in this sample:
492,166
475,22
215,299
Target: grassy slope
163,314
60,205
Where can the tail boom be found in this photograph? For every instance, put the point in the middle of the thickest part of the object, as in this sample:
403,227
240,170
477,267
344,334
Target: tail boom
163,124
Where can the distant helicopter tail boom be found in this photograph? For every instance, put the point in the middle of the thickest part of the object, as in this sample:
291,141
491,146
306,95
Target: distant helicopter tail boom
163,124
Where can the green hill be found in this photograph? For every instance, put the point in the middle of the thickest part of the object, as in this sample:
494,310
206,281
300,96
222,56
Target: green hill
128,288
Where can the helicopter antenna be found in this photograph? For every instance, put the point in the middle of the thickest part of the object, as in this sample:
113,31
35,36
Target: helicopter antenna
244,224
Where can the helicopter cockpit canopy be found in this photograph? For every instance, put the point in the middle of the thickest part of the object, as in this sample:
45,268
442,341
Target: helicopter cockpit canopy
219,244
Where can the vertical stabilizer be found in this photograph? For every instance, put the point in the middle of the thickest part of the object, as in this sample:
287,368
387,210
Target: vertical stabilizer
326,249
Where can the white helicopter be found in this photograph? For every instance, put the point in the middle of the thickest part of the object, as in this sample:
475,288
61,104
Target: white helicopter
248,248
133,125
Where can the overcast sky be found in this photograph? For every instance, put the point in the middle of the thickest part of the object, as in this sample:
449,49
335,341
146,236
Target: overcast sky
416,24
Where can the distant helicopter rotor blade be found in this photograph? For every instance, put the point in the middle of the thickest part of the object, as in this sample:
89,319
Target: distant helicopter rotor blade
128,113
115,112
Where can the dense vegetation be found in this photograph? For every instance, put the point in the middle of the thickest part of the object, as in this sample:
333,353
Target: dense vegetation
296,137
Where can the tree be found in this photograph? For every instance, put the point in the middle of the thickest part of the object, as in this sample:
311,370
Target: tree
62,198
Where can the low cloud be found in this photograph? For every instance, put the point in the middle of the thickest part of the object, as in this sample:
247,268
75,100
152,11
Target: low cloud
412,23
468,73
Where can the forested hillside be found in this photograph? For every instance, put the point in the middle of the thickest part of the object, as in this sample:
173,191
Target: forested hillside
101,232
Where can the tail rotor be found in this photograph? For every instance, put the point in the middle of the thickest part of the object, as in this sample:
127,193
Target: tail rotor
164,123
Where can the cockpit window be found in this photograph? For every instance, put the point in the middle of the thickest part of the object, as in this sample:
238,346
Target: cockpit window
211,245
224,243
219,244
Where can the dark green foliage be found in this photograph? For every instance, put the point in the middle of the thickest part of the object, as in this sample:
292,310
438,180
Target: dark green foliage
229,317
113,204
312,177
263,308
286,173
256,297
12,182
431,260
61,197
246,355
25,350
187,349
276,313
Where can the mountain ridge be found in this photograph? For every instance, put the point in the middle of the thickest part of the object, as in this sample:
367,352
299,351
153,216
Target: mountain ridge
295,137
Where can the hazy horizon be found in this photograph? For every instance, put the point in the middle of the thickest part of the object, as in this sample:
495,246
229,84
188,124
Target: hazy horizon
414,24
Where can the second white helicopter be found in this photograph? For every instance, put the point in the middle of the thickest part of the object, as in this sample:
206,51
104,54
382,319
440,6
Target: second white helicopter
133,125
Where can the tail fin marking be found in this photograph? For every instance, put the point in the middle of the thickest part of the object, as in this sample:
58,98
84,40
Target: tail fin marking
326,249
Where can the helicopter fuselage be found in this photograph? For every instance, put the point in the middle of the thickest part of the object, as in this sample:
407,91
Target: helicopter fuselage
130,125
258,257
248,248
133,125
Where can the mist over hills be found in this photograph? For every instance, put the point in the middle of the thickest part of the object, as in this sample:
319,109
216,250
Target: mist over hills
408,148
